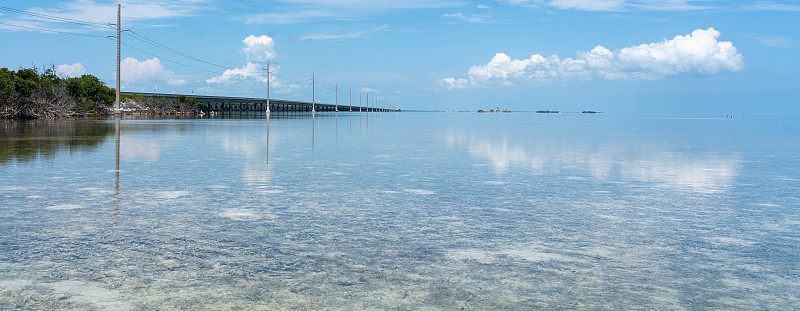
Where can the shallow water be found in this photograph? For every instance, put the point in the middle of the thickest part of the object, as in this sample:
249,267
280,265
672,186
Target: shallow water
432,211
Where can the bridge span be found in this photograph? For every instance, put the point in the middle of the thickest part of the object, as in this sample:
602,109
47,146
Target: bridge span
243,104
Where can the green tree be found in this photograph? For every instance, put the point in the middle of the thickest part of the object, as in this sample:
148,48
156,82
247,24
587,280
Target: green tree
90,92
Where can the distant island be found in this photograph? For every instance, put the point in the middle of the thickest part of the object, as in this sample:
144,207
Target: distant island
494,111
548,111
590,111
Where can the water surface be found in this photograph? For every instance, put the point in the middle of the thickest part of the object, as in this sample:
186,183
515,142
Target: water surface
434,211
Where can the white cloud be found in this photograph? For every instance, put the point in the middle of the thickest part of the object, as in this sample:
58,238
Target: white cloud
89,10
472,18
74,70
302,11
698,53
772,6
177,82
349,35
772,41
133,70
289,17
369,90
611,5
453,83
95,16
138,75
258,49
589,5
249,70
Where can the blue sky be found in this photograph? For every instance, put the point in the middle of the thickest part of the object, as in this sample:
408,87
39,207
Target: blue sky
654,57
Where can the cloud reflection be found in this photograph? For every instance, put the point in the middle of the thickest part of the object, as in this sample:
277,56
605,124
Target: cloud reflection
253,150
704,172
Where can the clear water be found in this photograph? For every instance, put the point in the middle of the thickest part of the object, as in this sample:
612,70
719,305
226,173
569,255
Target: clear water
407,211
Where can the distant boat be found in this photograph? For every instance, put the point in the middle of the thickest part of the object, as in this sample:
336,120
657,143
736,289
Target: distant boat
494,111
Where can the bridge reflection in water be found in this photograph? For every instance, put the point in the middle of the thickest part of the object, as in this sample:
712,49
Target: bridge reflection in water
223,103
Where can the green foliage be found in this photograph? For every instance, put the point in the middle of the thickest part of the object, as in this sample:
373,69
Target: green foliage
89,90
187,102
29,93
6,83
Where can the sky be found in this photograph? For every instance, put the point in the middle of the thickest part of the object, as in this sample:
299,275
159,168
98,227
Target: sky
650,57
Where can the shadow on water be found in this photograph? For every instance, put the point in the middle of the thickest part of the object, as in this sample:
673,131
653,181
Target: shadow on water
27,140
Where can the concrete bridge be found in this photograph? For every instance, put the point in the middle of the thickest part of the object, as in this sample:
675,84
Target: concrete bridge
243,104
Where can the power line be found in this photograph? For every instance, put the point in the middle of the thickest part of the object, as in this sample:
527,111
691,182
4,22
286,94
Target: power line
166,59
164,47
55,18
51,30
139,37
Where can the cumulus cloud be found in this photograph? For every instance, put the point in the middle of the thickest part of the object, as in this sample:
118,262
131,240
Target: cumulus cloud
249,70
74,70
698,53
258,49
136,73
133,70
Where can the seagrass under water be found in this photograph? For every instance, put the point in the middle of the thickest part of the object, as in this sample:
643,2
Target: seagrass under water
413,211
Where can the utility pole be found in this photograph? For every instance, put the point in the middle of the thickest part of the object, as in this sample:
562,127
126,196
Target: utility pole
336,108
367,101
117,105
268,86
350,92
359,101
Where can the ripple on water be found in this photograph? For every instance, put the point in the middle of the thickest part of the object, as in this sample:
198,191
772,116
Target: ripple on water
419,191
239,214
171,194
62,207
475,255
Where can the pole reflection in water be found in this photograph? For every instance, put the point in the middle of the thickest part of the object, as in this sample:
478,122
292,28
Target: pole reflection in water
268,140
313,127
116,170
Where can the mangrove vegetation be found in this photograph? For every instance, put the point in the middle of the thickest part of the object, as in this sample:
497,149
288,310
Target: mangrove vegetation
31,93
